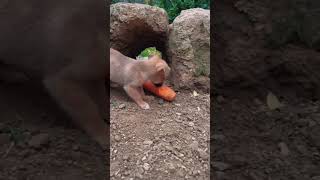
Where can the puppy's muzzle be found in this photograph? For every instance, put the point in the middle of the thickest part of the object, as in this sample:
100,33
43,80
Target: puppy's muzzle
158,84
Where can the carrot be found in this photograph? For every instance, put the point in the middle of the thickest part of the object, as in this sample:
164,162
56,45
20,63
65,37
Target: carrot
164,92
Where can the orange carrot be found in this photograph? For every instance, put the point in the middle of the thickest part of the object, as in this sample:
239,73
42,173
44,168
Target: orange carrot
164,92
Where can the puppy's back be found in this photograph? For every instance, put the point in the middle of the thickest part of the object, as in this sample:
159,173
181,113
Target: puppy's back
121,67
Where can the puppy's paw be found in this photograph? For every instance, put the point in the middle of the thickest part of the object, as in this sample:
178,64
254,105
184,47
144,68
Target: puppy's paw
144,105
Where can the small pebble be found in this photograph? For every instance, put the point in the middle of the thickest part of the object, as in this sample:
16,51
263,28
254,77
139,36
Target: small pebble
221,166
220,99
180,173
283,149
146,166
125,157
117,138
161,101
39,140
194,145
147,142
121,106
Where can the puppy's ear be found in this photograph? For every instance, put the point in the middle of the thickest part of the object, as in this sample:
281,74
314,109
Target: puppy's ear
160,67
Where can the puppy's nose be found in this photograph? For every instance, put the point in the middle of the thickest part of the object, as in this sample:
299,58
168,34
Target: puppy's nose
158,84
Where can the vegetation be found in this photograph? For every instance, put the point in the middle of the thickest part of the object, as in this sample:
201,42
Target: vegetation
150,52
173,7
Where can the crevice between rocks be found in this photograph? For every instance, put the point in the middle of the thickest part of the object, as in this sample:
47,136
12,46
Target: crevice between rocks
138,35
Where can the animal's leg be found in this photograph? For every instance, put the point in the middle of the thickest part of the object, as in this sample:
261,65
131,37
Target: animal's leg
74,99
134,93
98,92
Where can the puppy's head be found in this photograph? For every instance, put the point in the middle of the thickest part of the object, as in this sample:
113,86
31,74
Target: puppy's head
161,71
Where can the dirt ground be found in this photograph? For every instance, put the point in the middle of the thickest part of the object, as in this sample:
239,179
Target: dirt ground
251,142
169,141
38,142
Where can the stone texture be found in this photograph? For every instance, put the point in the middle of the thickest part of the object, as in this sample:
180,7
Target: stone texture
189,49
134,27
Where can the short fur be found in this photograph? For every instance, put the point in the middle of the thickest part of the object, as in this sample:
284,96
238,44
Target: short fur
61,44
132,74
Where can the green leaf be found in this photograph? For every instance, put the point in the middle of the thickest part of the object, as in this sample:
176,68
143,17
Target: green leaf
149,52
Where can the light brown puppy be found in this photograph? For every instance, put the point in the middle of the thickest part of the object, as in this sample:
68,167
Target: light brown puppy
60,44
131,74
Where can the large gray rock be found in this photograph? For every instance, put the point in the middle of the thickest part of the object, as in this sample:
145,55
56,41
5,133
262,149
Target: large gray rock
189,49
134,27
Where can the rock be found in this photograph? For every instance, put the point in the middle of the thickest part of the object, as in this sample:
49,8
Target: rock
204,155
143,158
169,148
117,138
194,145
147,142
146,166
180,173
220,99
273,102
284,150
189,49
122,106
125,157
134,27
195,172
114,166
221,166
171,167
161,101
4,139
39,140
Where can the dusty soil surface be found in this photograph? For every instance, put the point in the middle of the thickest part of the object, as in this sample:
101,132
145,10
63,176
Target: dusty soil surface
249,141
38,141
169,141
252,142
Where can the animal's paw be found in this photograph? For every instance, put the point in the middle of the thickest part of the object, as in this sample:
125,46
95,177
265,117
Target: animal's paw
144,105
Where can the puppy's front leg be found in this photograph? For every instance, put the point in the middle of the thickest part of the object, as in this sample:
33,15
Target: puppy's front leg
97,90
74,99
134,93
143,95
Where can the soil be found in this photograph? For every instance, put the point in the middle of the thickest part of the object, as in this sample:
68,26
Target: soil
250,141
39,142
168,141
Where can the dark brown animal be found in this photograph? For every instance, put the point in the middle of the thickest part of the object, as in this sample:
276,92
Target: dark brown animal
63,45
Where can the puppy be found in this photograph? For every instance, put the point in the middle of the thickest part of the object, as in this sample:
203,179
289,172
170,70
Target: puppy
132,74
61,44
